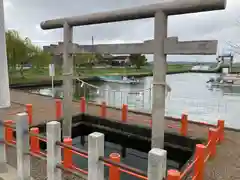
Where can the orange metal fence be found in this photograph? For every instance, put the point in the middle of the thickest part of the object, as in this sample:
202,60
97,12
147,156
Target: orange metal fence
201,156
202,152
182,128
113,162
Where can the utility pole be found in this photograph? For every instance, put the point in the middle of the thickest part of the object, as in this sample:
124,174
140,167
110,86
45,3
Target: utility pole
92,47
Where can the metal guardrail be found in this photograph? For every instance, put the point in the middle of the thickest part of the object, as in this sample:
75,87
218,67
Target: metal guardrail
135,99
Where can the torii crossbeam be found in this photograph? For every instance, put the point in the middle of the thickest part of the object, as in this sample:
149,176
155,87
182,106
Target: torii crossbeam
160,46
171,46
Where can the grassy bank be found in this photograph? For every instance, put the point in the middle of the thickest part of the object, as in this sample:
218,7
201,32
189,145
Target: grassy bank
37,75
113,71
178,67
32,75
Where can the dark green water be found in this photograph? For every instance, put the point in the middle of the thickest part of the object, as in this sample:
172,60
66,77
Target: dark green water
133,158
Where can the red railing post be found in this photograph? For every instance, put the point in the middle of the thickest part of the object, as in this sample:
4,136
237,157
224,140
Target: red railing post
124,112
8,132
58,108
150,122
29,112
34,141
210,141
114,172
199,165
67,153
83,105
103,110
173,175
220,125
184,124
212,137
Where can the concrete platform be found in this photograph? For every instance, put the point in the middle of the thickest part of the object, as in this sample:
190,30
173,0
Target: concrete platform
8,172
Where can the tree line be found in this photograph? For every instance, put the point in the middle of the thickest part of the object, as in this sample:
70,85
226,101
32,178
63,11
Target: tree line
21,51
91,59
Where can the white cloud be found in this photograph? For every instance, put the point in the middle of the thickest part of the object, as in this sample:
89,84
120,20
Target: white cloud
221,25
39,30
8,9
7,5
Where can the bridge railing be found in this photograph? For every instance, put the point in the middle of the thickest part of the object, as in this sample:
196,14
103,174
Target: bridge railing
27,144
140,99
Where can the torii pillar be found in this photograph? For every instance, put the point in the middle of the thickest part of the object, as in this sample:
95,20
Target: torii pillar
4,81
160,47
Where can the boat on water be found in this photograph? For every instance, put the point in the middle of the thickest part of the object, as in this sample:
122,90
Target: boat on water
119,79
229,83
225,80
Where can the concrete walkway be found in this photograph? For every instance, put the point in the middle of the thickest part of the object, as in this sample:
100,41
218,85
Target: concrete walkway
8,172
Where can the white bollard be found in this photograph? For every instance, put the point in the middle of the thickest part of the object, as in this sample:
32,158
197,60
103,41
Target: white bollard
22,141
3,158
95,150
3,155
157,164
53,151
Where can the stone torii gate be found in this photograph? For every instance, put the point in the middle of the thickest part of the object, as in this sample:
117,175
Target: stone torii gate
160,46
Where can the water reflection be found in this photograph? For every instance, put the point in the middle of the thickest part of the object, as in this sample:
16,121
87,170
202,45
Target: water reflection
189,93
132,156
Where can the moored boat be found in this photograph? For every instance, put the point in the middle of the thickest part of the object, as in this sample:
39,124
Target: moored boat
119,79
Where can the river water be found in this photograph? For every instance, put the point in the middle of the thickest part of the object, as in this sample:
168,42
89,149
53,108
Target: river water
189,93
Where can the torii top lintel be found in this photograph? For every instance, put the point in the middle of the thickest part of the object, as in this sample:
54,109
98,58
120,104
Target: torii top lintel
170,7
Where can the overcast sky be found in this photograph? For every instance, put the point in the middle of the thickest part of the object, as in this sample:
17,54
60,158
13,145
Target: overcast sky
26,15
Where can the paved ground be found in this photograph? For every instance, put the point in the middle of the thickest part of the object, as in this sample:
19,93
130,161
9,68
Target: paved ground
8,172
226,165
38,167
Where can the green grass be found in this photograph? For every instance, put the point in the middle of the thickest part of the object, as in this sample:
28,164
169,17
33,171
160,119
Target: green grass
31,75
179,67
37,75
